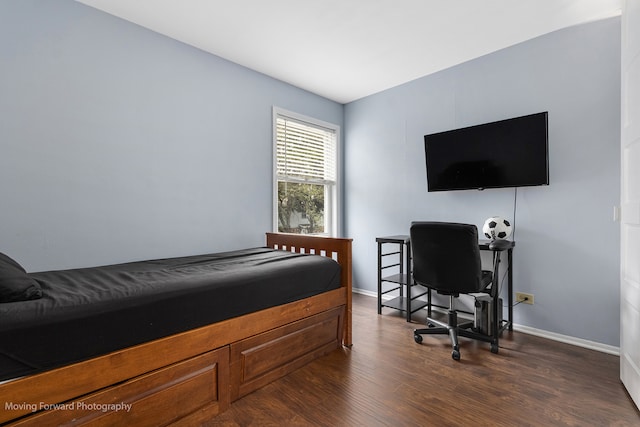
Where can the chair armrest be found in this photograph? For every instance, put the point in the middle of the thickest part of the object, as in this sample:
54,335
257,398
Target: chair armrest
499,245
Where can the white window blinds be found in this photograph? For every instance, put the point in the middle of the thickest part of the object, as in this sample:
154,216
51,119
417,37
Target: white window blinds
305,153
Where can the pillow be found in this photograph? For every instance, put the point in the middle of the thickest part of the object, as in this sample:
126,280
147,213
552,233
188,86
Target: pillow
15,284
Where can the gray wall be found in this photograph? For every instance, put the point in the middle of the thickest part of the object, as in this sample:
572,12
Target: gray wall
567,251
120,144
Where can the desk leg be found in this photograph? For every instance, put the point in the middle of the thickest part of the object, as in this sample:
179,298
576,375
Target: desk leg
409,277
510,278
495,296
379,278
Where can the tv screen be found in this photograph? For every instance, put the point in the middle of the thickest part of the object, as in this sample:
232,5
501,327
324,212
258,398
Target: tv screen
506,153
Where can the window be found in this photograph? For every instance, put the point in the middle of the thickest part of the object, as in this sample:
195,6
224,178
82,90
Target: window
305,174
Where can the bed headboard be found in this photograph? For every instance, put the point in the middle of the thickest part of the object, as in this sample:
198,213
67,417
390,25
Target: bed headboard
332,247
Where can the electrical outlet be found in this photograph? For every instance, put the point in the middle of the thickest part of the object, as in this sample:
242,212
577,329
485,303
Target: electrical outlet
524,298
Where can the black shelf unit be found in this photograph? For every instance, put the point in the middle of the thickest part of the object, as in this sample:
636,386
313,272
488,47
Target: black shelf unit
394,277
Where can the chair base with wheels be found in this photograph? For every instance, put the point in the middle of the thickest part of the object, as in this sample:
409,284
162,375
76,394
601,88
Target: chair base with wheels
454,330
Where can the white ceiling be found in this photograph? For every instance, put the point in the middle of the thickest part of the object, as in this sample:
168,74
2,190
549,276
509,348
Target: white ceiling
347,49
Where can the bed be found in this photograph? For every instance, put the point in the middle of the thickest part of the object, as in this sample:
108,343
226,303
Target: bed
172,357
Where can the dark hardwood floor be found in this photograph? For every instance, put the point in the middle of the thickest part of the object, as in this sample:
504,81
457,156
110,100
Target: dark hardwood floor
386,379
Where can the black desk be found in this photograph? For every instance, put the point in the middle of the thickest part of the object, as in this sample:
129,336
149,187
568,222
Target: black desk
411,302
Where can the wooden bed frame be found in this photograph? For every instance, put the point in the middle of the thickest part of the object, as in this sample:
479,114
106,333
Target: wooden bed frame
190,377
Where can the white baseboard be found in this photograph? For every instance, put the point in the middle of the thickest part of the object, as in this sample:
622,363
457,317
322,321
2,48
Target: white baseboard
592,345
368,293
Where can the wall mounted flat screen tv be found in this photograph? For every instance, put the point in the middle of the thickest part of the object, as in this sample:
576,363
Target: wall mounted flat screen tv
506,153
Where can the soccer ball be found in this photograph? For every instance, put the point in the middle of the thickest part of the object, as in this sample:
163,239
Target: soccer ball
496,228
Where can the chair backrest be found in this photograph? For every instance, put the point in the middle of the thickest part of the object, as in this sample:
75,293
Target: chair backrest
446,256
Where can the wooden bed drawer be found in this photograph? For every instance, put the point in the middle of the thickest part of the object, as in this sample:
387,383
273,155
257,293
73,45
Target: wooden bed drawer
185,393
259,360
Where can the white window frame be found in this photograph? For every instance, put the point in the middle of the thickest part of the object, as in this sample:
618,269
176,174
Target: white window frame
332,214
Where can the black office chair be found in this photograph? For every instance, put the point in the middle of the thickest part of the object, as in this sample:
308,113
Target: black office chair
446,258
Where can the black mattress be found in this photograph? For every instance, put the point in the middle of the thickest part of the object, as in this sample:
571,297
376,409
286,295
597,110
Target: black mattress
88,312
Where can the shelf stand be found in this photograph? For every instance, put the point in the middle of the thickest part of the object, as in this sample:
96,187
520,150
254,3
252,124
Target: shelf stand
394,277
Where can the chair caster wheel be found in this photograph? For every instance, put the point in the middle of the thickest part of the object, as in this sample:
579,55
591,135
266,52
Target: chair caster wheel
455,355
494,348
417,338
